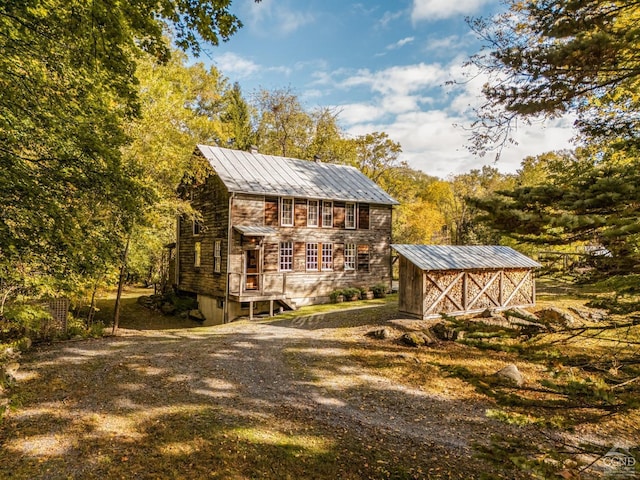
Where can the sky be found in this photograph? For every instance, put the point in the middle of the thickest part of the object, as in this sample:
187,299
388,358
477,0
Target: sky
385,66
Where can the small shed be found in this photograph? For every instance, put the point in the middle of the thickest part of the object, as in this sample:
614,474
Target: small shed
437,279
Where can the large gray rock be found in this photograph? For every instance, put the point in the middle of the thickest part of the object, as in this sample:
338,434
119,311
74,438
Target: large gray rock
442,331
197,315
381,333
416,339
512,374
556,316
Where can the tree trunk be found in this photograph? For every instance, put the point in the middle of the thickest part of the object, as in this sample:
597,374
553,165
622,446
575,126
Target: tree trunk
123,273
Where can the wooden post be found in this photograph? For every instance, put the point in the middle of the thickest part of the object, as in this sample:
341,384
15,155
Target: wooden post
271,308
251,310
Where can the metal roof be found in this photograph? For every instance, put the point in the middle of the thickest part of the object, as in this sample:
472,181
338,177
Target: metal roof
255,231
468,257
245,172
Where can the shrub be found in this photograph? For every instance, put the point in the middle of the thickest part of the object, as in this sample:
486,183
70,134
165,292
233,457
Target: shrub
351,292
380,290
335,294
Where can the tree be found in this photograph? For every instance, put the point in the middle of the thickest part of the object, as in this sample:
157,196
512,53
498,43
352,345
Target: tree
68,87
548,58
284,127
237,119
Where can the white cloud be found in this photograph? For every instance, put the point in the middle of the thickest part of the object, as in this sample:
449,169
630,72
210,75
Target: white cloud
403,103
232,65
438,9
400,43
273,17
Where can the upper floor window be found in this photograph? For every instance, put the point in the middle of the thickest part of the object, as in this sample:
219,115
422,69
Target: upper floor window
327,214
217,256
286,212
197,227
312,213
286,256
350,215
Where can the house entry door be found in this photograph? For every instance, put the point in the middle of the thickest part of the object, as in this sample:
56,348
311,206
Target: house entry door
252,270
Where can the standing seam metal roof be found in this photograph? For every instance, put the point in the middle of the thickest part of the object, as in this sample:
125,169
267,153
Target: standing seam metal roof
244,172
471,257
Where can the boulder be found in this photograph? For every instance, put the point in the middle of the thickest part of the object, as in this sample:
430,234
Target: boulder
196,315
381,333
416,339
512,374
556,316
442,331
168,308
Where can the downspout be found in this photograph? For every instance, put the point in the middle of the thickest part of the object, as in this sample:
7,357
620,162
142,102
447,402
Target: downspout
229,241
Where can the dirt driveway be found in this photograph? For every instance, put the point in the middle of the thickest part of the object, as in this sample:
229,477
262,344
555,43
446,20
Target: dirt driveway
304,398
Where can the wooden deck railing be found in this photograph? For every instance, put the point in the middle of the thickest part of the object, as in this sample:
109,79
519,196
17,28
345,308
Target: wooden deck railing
257,284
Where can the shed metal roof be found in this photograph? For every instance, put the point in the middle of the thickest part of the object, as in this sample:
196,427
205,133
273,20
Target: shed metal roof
454,257
254,173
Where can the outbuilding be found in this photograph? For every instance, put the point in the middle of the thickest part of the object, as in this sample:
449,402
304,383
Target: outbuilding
455,280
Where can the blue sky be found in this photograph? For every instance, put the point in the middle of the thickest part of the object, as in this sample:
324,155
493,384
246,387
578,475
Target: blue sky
384,65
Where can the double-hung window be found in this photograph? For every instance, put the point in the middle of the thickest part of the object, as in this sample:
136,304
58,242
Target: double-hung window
327,256
350,256
350,215
286,256
286,212
217,255
327,214
312,256
312,213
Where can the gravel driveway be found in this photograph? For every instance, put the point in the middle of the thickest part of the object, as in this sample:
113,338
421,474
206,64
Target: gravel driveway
264,399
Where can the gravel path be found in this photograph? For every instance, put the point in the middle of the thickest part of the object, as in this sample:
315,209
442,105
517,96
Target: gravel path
195,403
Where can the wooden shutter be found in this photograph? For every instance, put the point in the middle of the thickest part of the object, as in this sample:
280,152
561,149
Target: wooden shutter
300,215
271,212
363,216
271,252
299,257
338,215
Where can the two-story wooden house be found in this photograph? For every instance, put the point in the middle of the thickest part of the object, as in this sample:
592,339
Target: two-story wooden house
279,232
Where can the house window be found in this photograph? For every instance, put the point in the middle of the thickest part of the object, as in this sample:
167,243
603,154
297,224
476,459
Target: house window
350,256
197,227
312,256
327,256
286,212
350,215
197,253
363,258
312,213
217,256
286,256
327,214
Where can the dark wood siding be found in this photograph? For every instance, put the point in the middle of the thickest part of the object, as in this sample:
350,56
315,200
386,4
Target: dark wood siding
212,201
